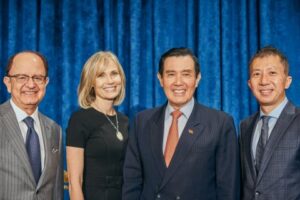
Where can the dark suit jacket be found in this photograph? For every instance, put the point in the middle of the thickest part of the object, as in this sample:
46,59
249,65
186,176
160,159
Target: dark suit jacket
279,176
16,178
205,164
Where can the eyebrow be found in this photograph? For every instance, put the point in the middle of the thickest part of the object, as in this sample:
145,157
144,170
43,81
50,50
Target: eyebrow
169,71
186,70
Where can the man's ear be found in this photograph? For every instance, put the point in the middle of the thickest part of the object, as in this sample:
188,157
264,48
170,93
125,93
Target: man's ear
288,82
249,84
47,81
7,82
198,79
160,78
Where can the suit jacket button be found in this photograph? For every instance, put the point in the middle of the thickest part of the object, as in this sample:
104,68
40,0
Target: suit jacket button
158,196
178,197
257,193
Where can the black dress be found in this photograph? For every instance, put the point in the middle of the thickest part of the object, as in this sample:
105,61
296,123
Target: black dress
103,152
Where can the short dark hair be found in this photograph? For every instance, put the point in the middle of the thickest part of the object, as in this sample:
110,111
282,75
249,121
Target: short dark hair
271,51
181,51
11,60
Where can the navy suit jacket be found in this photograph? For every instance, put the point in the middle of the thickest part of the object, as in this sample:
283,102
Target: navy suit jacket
279,175
205,164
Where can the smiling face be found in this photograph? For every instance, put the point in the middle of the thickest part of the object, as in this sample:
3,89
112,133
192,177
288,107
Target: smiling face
26,95
108,83
268,81
179,80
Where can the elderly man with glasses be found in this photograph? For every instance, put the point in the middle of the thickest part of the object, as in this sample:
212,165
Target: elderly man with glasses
30,142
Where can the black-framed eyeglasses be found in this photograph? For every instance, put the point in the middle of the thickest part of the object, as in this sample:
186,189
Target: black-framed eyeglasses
23,78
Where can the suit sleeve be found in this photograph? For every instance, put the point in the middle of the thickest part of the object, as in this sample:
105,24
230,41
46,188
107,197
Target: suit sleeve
59,182
228,163
133,170
241,148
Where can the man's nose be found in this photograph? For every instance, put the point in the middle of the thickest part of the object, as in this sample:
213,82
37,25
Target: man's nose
264,79
178,79
30,82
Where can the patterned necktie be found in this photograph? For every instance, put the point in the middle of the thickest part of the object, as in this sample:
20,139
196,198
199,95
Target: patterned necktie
172,139
260,148
33,149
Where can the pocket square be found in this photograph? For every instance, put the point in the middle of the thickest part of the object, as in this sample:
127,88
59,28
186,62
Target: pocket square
54,150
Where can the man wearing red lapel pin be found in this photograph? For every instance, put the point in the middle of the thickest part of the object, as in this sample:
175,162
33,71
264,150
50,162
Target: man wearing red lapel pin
181,150
270,139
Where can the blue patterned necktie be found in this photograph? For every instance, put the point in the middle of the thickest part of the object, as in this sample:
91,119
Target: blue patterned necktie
260,148
33,149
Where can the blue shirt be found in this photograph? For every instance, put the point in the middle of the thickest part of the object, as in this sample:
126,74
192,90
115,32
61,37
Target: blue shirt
182,120
274,117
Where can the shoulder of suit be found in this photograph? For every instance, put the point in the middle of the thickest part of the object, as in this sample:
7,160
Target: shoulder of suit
48,120
149,113
5,108
210,111
249,119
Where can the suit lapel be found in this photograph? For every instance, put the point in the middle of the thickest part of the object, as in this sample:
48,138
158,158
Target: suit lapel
282,124
46,133
156,139
14,135
193,129
249,132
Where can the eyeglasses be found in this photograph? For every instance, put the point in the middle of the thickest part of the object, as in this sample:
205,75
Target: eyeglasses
23,78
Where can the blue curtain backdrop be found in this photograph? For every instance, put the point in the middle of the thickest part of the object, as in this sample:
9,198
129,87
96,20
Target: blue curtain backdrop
224,34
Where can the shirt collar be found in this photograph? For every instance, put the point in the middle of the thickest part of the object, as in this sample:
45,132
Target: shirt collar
277,111
21,115
186,109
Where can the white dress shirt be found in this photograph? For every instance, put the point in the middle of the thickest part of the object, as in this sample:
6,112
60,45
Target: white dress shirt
21,115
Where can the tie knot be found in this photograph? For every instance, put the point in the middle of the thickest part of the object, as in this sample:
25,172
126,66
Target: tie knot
176,114
29,122
265,119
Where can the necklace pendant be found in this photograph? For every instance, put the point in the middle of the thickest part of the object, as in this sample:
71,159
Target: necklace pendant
119,135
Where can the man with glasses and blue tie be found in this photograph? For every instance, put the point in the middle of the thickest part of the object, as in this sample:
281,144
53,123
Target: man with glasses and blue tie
270,139
30,143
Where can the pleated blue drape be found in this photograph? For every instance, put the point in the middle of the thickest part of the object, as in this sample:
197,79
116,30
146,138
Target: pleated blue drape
224,34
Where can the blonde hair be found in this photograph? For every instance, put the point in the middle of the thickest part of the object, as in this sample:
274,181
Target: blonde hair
93,66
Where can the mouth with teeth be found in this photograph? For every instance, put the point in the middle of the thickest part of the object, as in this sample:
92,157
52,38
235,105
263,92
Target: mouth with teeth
110,89
265,92
29,92
179,92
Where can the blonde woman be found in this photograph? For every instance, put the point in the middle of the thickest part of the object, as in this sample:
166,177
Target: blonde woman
97,133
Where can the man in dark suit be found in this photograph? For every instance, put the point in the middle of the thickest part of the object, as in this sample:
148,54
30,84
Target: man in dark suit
270,139
30,143
181,150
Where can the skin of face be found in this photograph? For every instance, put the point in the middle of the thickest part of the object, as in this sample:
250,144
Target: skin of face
26,96
179,80
268,82
108,83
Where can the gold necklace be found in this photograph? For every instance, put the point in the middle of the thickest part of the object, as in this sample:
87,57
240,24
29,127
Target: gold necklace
116,127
